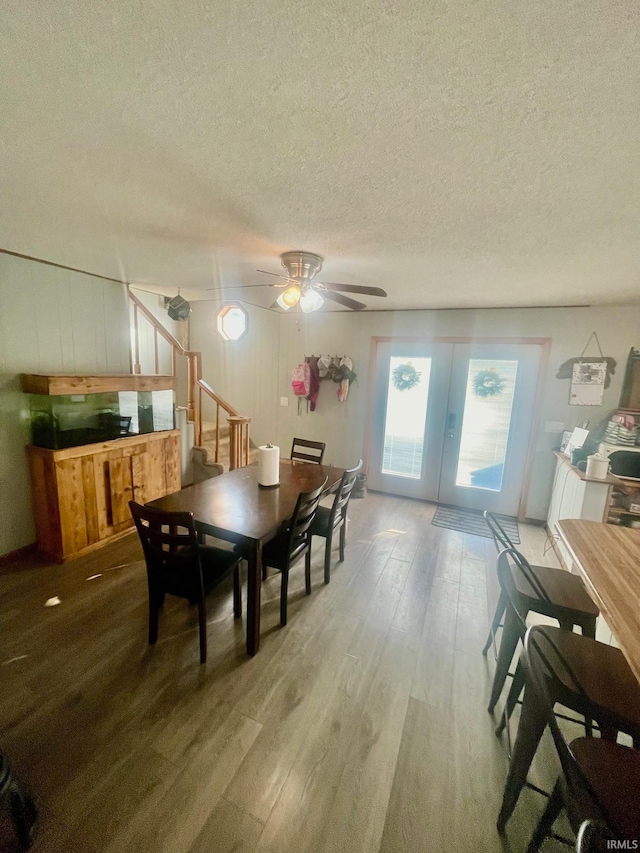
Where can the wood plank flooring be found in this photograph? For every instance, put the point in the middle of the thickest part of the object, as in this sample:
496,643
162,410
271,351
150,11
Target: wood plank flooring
361,726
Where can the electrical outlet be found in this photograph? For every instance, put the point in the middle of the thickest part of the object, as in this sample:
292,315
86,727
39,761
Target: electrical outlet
553,426
284,401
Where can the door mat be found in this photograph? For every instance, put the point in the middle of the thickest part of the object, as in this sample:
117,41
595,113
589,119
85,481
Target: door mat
472,521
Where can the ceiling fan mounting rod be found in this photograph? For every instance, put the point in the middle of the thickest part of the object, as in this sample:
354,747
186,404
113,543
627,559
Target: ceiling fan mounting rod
302,266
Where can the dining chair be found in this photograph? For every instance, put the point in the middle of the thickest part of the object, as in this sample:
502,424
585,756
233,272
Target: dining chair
602,687
329,519
311,451
18,802
292,543
566,591
600,779
178,564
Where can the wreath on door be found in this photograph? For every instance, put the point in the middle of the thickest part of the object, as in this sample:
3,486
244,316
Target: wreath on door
488,383
405,376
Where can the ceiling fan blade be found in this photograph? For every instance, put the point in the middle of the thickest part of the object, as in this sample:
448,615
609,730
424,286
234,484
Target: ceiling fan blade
344,300
266,272
354,288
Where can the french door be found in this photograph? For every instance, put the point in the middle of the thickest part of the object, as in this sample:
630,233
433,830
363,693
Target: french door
452,421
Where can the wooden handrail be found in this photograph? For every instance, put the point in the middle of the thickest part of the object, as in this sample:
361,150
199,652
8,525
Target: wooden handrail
238,424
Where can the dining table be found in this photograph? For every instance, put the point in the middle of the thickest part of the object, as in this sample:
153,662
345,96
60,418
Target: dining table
607,556
235,508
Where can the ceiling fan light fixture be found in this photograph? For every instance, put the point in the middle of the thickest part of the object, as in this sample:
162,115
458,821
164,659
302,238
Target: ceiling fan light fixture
311,301
289,297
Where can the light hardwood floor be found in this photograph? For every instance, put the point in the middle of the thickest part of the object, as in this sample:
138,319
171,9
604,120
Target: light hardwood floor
360,727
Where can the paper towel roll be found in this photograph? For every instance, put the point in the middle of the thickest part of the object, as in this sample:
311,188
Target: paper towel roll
268,465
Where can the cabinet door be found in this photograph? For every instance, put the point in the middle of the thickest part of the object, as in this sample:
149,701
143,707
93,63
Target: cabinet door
121,489
172,464
142,478
72,508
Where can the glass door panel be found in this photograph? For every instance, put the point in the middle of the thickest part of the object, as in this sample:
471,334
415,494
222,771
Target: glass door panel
406,418
486,424
490,407
407,432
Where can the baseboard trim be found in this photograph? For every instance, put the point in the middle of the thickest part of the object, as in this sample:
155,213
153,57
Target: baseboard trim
18,554
554,545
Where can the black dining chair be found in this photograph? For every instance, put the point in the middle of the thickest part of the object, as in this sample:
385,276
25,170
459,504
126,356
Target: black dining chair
292,543
178,564
329,519
305,450
600,779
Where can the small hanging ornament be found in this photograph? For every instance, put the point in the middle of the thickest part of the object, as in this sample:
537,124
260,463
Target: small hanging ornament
405,376
488,383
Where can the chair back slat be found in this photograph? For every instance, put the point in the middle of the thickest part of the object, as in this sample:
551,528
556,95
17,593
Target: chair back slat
318,448
169,542
304,513
343,494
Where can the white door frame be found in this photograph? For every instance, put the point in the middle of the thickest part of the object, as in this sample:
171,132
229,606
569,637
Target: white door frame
543,343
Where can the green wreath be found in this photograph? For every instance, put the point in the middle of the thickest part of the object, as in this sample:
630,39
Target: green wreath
488,383
405,376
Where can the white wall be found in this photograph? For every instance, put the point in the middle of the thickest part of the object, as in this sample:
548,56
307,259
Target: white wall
51,321
342,426
244,372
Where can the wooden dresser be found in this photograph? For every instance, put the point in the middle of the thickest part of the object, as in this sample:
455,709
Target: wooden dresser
81,494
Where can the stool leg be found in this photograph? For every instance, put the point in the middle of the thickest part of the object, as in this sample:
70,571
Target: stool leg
307,571
497,618
23,814
508,643
532,725
554,806
327,557
515,690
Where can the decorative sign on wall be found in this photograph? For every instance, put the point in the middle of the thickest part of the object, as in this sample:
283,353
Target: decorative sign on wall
589,376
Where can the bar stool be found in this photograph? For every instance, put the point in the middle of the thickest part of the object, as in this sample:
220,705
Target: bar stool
569,598
600,779
609,692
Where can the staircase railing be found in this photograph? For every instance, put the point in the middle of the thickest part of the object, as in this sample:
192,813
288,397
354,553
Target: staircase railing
196,387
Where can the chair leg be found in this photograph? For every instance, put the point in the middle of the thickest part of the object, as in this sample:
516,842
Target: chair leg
517,684
23,814
327,557
237,593
497,619
265,572
307,571
343,538
154,615
202,621
508,644
530,729
284,585
554,806
589,628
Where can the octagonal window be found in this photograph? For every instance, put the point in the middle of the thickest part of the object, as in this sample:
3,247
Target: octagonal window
232,322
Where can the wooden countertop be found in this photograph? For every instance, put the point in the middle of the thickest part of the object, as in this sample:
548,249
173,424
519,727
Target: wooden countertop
608,558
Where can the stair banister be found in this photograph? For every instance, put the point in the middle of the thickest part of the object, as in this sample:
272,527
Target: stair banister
238,424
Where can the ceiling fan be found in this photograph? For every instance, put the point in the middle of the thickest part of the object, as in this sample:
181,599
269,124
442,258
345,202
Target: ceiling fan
302,290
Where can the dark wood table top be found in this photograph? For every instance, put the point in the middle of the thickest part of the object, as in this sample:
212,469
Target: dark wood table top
608,558
234,507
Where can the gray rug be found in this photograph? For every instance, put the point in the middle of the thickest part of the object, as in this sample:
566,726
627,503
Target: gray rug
472,521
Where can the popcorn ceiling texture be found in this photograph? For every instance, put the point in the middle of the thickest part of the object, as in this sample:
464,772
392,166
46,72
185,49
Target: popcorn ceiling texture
467,153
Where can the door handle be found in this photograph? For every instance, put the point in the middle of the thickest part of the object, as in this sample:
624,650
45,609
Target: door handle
451,424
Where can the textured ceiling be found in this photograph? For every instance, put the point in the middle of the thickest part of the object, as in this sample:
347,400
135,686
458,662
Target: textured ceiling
469,152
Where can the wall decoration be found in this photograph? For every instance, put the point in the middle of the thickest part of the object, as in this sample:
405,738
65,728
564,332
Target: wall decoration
587,383
488,383
405,377
589,375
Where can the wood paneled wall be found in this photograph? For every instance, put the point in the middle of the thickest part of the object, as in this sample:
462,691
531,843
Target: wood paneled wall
51,321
